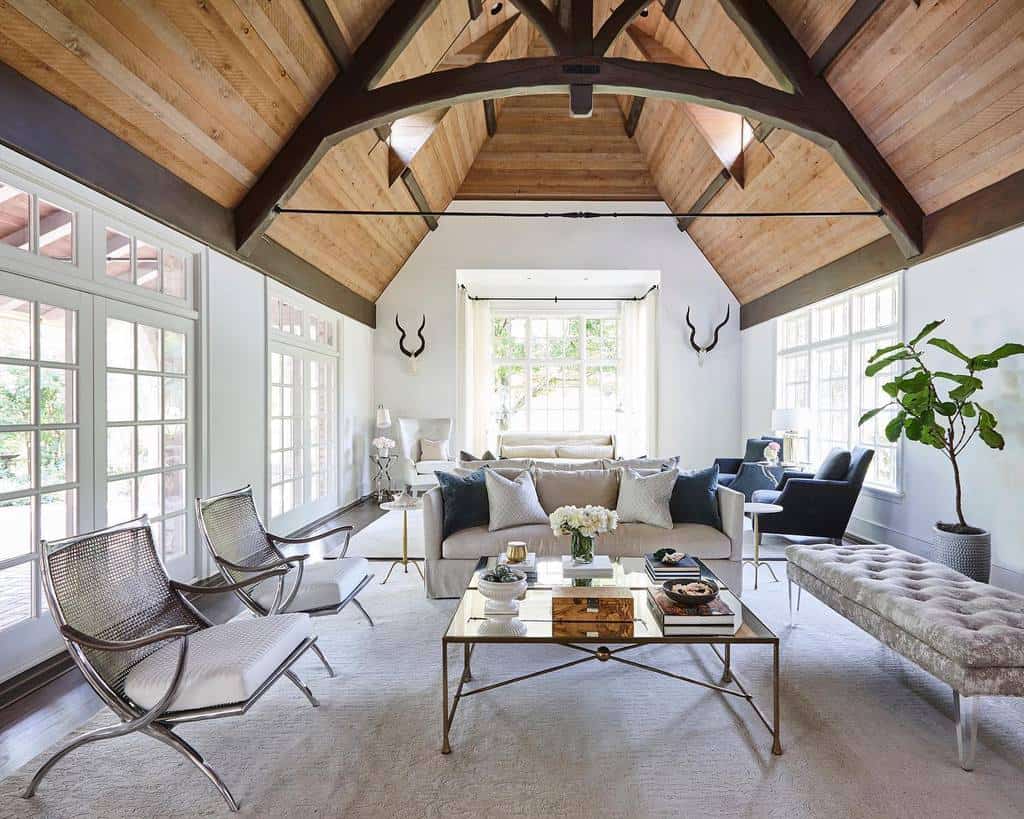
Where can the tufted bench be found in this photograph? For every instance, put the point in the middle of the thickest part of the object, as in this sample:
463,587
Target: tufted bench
968,634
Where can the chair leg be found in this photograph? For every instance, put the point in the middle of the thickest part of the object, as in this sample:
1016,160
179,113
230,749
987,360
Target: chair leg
291,675
169,738
789,590
965,710
360,607
323,659
108,732
799,589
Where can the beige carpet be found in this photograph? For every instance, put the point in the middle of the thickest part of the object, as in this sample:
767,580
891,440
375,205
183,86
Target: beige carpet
382,539
866,734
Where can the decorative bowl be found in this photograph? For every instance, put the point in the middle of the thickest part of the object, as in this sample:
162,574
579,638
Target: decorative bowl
502,598
709,593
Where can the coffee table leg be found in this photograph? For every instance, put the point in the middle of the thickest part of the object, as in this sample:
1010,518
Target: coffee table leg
446,748
776,729
467,674
727,663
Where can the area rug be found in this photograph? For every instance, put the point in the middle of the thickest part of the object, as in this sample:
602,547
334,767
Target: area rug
866,734
382,539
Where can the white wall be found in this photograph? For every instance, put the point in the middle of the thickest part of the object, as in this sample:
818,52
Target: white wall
978,291
357,409
699,408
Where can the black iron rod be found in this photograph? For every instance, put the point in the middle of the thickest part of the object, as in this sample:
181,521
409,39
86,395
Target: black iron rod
557,299
586,214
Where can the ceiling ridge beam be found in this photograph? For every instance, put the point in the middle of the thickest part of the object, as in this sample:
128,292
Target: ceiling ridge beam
308,143
329,32
545,21
846,29
850,146
624,14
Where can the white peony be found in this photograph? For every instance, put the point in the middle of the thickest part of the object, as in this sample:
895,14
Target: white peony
590,521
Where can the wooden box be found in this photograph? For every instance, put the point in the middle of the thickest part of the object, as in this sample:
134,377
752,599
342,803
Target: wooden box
611,630
592,604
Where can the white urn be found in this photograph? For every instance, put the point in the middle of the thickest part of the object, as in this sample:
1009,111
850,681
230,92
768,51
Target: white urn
502,598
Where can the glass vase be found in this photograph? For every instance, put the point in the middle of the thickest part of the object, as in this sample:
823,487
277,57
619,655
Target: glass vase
582,548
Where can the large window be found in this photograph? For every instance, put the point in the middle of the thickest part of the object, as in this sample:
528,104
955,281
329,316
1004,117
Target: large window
304,360
822,353
556,372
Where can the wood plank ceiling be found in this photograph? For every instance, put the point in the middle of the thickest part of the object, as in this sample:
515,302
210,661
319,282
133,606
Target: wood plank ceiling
212,89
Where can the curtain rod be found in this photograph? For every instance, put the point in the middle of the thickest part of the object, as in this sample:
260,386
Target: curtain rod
585,214
557,299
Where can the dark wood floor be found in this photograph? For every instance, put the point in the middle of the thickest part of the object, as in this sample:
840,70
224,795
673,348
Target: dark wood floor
41,719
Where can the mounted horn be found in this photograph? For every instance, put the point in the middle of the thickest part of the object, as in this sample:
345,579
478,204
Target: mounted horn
703,351
725,321
411,354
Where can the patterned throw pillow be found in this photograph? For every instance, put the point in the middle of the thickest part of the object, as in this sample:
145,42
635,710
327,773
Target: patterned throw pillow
433,450
645,499
512,502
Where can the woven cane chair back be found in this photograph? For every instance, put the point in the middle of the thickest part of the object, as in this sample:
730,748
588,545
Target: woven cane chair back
234,531
111,584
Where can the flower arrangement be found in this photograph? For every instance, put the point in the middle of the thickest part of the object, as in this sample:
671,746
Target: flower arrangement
771,452
583,524
382,445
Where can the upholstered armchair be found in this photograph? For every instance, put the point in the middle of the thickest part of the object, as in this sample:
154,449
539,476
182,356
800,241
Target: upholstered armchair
413,469
818,504
745,474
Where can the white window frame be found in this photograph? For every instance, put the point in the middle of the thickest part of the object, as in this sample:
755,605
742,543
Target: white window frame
583,362
851,341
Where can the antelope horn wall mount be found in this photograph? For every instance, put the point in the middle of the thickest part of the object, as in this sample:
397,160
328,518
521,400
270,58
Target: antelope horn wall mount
412,355
702,352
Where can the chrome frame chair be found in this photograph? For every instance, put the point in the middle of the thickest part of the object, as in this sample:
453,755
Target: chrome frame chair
232,520
110,628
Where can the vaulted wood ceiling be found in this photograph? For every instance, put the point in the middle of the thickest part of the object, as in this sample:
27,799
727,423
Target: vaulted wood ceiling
213,89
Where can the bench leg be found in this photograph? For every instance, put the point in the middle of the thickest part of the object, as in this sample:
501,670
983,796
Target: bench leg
965,711
789,589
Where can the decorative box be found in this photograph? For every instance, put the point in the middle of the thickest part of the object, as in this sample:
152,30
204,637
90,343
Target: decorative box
592,604
612,630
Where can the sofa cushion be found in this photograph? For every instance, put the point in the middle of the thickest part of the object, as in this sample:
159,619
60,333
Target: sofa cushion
584,451
643,463
645,499
569,464
752,477
430,467
464,501
628,540
504,463
835,466
487,456
974,624
226,664
431,450
512,502
766,496
695,498
585,487
325,583
530,451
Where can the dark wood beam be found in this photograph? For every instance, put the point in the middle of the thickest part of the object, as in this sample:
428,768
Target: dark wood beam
636,108
982,215
846,29
621,17
545,21
581,100
416,192
582,31
476,8
671,7
714,186
850,147
307,144
48,130
329,31
490,117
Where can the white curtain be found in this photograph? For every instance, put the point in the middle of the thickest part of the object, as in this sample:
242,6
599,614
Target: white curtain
476,373
637,432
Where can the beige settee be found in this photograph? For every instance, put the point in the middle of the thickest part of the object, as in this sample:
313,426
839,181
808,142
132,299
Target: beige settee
450,561
556,446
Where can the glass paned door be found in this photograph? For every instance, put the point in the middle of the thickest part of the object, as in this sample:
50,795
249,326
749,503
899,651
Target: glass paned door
44,386
145,426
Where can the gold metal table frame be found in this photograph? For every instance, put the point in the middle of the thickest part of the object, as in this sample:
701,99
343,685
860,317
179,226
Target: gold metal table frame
405,561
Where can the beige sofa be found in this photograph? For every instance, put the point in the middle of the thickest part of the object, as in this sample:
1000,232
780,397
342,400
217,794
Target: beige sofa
563,447
450,561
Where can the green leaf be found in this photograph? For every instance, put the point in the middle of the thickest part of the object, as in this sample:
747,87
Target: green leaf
968,410
867,416
986,420
949,347
933,435
927,330
991,437
891,388
877,366
884,351
1006,350
914,428
983,362
895,427
960,379
916,384
917,402
946,408
963,392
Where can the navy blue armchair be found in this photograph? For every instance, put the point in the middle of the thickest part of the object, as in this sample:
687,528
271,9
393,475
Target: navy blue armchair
743,474
818,504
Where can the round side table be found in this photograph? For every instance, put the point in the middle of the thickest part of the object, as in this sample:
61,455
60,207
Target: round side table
755,510
404,508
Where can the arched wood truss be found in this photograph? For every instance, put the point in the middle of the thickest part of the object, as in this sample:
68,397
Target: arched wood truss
807,107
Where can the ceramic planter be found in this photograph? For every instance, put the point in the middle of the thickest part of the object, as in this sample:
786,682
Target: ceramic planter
968,554
502,598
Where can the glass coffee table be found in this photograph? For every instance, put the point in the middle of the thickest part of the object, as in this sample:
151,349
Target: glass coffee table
603,642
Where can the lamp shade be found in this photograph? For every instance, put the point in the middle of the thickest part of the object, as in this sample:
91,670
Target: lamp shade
791,419
383,416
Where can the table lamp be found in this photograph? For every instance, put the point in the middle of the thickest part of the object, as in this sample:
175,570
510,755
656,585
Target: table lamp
793,422
383,417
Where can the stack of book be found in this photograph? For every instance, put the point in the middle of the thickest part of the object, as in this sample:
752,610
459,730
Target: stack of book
686,569
711,619
528,566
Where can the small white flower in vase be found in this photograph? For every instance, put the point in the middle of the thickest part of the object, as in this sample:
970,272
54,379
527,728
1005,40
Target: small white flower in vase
771,452
583,525
383,446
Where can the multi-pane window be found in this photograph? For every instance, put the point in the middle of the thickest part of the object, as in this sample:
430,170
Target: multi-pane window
147,429
39,433
822,353
134,260
35,225
555,373
286,438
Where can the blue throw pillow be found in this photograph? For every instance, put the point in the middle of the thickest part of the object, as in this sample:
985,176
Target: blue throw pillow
695,498
464,501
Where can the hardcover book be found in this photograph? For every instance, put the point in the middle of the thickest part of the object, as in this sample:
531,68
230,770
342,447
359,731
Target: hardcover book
671,613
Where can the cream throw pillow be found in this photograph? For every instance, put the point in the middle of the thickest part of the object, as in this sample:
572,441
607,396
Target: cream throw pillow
584,451
512,502
585,487
433,450
645,499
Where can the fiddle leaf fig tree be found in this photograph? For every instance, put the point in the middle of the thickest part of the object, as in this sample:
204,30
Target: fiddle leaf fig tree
939,408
